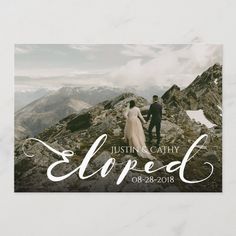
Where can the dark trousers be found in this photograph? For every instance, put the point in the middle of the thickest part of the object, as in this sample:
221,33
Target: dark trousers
158,128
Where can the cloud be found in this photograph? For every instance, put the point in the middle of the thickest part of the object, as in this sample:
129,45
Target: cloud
171,65
25,83
116,65
139,51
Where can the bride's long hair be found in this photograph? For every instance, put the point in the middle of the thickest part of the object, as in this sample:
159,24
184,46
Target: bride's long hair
131,104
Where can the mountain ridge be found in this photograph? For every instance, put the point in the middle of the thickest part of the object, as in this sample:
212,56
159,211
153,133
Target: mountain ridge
78,131
205,93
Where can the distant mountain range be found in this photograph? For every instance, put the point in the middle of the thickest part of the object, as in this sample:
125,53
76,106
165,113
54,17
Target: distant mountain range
46,111
79,130
37,110
94,95
23,98
91,95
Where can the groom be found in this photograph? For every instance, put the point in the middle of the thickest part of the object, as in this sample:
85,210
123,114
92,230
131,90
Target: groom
155,111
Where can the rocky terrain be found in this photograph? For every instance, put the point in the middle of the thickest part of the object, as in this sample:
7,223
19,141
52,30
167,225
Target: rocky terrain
205,92
78,131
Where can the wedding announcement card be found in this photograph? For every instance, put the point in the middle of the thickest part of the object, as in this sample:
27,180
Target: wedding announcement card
118,118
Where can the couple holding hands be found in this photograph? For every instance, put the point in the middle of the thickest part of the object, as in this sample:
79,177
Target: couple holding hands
134,132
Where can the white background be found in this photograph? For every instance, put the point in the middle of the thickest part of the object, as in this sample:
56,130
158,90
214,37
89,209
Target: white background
107,21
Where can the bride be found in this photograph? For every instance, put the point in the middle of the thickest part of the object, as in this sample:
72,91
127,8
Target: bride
134,133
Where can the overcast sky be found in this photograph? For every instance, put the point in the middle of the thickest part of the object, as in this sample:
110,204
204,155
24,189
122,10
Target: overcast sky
56,65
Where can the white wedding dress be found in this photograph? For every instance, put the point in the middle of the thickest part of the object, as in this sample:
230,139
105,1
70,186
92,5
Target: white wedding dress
134,133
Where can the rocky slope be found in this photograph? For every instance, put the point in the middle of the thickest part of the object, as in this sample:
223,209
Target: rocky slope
78,132
205,93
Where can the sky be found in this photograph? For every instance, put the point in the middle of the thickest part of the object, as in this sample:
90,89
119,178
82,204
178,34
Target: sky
53,66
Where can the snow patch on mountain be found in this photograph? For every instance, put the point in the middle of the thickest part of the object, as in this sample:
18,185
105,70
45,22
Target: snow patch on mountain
199,116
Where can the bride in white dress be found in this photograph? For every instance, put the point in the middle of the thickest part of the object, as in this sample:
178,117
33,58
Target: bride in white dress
134,133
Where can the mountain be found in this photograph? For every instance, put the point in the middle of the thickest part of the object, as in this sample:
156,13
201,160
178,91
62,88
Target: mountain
95,95
46,111
23,98
55,105
78,132
205,93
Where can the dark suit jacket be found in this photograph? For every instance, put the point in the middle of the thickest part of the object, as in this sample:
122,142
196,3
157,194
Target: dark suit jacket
155,111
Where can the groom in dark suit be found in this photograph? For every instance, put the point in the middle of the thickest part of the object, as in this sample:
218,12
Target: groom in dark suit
155,111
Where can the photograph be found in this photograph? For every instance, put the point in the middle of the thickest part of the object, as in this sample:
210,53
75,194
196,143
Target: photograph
118,117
